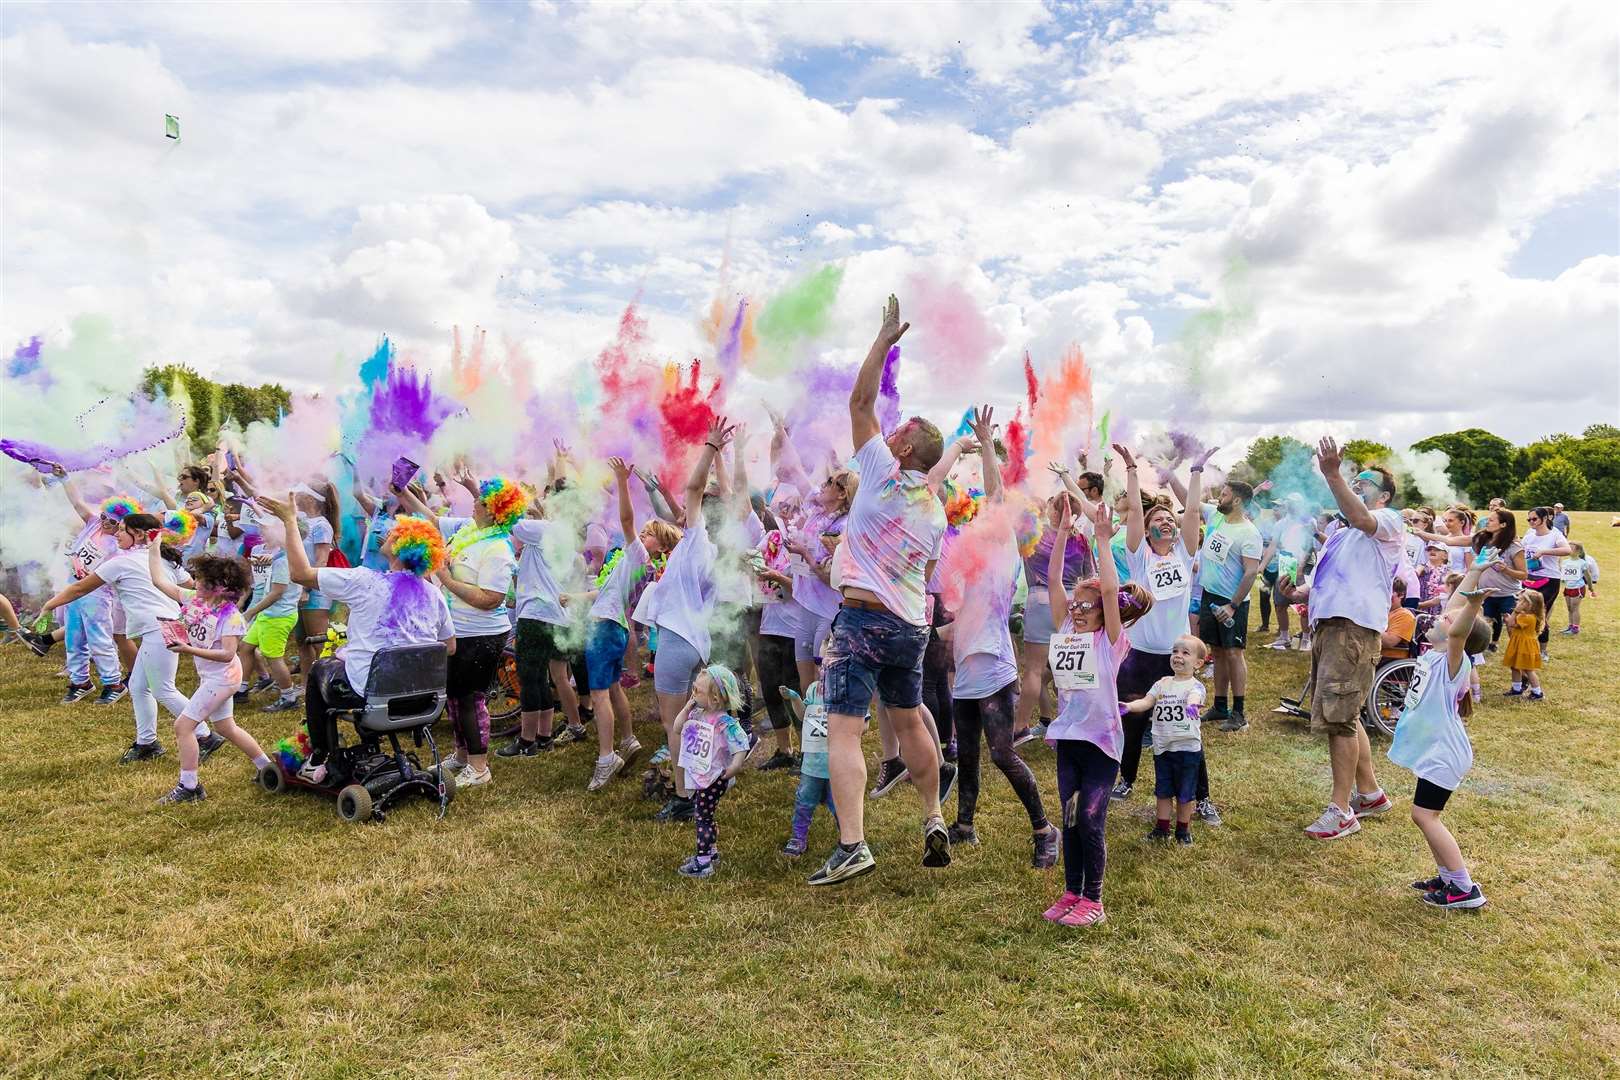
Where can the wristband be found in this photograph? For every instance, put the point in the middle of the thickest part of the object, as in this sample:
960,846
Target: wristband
713,447
1196,468
1130,468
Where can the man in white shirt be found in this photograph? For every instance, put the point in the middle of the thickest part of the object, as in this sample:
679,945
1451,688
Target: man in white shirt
892,540
1349,610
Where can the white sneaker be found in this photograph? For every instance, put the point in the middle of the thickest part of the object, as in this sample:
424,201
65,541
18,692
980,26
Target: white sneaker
604,771
1282,644
452,764
1333,824
471,777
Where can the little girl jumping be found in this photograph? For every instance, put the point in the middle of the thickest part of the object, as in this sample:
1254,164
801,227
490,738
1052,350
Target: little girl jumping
713,748
1523,656
209,630
1085,656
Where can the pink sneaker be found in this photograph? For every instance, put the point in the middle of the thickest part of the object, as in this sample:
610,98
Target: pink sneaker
1084,913
1064,905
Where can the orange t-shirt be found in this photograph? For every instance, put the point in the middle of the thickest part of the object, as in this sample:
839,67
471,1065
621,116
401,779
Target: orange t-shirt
1403,623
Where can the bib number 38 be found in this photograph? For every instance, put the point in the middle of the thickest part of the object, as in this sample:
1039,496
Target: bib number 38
1073,661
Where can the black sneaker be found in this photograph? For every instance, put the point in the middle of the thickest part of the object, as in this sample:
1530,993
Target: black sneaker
1184,838
39,643
77,692
261,684
890,773
181,794
112,693
677,809
959,833
1046,848
936,844
1235,722
519,748
206,747
1447,897
576,733
1206,812
141,752
779,760
239,698
1215,716
1429,885
1157,835
947,780
842,865
283,704
1121,791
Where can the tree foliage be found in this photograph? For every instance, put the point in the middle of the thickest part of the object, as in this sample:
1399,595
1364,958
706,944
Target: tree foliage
1554,481
209,404
1268,452
1367,452
1480,464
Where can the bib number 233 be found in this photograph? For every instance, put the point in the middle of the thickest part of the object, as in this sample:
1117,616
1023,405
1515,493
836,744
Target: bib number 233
1074,662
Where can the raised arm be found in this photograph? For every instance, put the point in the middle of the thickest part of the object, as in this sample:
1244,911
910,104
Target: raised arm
298,567
720,434
71,490
863,420
154,564
162,488
1107,576
1329,457
658,497
947,461
1468,598
1056,596
627,513
367,503
1133,499
1191,496
410,501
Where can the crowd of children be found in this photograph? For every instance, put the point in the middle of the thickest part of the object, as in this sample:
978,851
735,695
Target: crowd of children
908,584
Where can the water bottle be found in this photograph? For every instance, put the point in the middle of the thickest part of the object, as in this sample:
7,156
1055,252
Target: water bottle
1228,619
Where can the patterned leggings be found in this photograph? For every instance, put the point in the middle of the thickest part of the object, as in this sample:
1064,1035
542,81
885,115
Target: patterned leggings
1085,776
704,801
994,715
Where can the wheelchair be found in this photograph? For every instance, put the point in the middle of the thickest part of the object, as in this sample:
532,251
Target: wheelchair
404,695
1385,698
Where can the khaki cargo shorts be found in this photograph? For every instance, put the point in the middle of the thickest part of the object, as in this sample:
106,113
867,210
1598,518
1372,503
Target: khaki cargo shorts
1344,659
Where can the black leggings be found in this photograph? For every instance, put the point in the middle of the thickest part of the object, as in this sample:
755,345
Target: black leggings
472,666
1136,725
994,715
1085,776
777,669
704,802
536,649
936,684
1549,593
1265,606
327,691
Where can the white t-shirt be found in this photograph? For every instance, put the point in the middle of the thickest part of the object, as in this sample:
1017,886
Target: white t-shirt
894,530
488,564
813,594
545,545
204,536
90,549
1552,566
385,610
204,628
614,596
1574,572
1429,736
278,572
1177,704
320,532
1169,578
1352,579
130,576
981,640
686,592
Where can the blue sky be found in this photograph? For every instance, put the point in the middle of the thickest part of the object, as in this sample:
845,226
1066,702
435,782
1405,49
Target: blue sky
1407,191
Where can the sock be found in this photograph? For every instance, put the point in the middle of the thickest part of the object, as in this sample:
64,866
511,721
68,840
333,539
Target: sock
1458,879
261,761
603,759
288,694
1517,685
188,778
1161,824
241,688
1237,702
1220,703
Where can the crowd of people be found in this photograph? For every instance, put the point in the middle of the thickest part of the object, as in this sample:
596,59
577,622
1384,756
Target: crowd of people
904,586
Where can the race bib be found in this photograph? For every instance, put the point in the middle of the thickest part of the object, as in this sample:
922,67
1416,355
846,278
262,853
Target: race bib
1415,688
1166,579
815,730
1173,719
699,748
85,558
1219,544
1073,661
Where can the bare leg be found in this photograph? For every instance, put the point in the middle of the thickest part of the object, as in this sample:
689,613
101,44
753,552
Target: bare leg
920,749
126,651
808,674
185,736
1345,753
887,739
566,696
1442,845
535,723
238,738
1366,782
1031,666
846,767
1223,672
669,707
601,704
621,712
1237,670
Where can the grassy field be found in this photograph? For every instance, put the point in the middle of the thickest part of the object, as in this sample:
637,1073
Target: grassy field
539,931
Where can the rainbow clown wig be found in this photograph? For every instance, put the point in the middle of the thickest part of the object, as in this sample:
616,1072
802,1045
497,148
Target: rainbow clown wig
417,544
504,500
179,526
118,508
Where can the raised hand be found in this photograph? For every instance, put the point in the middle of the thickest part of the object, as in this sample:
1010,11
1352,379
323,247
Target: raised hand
278,509
720,433
1125,455
982,425
621,470
892,329
1203,459
1057,468
1328,456
1103,519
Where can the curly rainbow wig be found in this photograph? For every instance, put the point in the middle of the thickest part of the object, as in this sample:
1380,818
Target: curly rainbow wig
119,507
179,526
504,500
961,504
417,544
1028,527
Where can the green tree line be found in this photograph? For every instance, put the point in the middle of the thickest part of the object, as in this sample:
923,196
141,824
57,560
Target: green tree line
211,404
1581,471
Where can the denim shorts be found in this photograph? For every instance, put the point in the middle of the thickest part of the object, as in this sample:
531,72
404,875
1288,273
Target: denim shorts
1175,775
872,652
604,654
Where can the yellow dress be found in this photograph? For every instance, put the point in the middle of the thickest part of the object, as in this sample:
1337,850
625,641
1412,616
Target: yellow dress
1523,650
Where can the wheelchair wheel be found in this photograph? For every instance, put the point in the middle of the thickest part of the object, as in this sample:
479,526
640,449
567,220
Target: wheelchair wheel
503,699
1387,696
271,780
354,803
